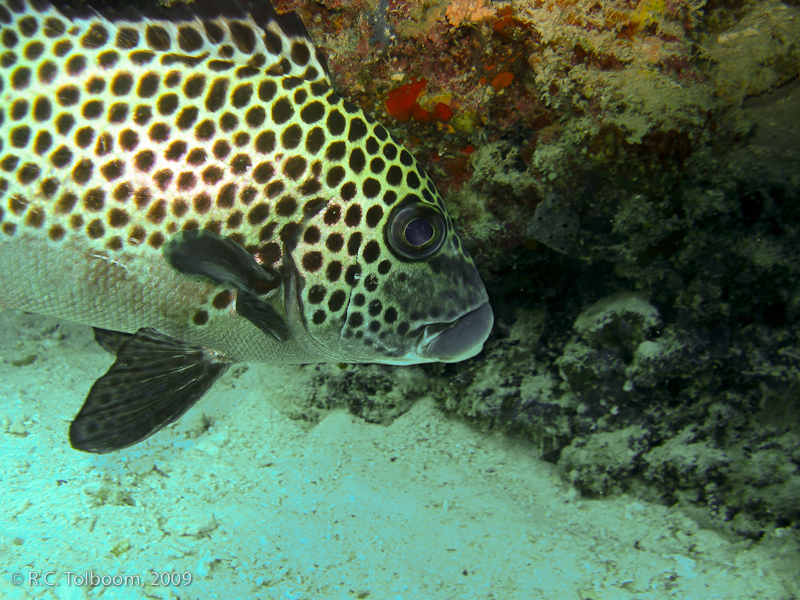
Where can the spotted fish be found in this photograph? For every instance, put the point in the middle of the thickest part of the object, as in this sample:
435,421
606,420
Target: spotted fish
186,181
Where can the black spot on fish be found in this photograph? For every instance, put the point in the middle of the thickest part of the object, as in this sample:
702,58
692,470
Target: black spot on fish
221,149
95,37
258,214
53,27
243,36
127,38
62,48
117,217
189,39
241,95
167,104
220,66
175,150
214,32
108,59
371,252
112,170
21,78
389,198
42,142
275,188
265,142
92,109
148,85
9,38
291,136
66,203
217,94
336,300
144,160
357,130
263,172
20,136
141,57
394,176
122,192
194,86
374,216
336,123
353,216
334,271
228,122
357,160
47,72
294,167
186,181
82,172
28,173
34,50
158,38
377,165
61,157
371,187
205,130
315,140
128,140
286,207
255,117
212,175
76,65
267,90
273,42
84,137
94,199
159,132
187,117
282,111
202,203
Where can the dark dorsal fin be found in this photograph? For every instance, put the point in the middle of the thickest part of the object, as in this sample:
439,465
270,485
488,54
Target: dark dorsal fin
154,381
253,28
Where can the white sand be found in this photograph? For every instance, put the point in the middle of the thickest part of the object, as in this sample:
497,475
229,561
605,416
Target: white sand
260,507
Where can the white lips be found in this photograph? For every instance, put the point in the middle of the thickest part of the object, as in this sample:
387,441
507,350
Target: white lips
460,340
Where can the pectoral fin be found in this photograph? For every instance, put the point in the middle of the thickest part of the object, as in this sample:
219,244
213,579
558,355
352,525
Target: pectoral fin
154,381
220,259
223,261
262,315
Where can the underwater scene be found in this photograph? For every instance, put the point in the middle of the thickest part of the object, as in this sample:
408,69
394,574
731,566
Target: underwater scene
400,299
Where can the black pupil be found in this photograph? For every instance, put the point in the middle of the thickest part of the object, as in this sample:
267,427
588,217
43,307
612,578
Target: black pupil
419,232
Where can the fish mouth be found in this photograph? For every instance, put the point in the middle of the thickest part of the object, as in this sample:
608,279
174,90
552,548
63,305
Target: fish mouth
459,340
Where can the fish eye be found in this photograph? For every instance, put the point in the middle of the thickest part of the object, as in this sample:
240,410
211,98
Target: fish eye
416,230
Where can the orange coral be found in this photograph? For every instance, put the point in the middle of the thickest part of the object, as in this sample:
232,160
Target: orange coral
402,101
402,104
502,80
468,10
442,111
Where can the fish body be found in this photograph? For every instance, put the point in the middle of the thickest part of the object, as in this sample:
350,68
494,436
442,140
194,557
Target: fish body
186,181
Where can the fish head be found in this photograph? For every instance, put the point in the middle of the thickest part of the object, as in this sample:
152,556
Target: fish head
385,278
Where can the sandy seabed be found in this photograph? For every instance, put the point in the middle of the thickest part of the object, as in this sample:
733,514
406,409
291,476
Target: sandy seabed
237,501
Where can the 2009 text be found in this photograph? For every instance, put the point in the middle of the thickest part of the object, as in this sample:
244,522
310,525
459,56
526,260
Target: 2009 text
93,579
